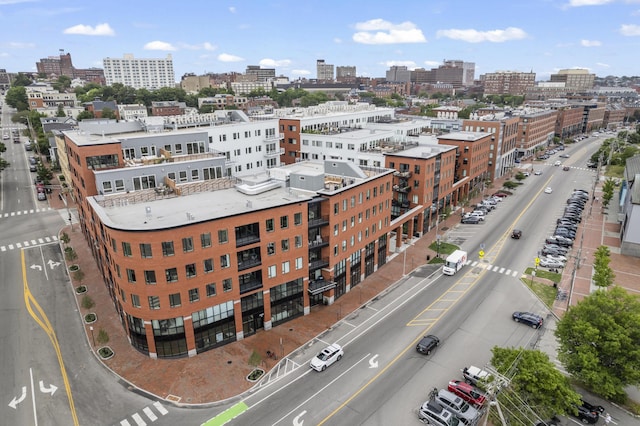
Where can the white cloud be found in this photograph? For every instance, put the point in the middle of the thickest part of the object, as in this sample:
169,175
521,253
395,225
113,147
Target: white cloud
268,62
433,63
600,64
379,31
300,72
5,2
232,9
98,30
475,36
203,46
580,3
409,64
159,45
590,43
17,45
225,57
630,30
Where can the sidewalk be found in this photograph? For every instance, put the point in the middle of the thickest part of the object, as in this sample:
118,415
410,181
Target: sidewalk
220,374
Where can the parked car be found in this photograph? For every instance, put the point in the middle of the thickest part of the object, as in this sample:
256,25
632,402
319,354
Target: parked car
538,172
588,413
462,410
556,247
473,220
42,196
326,357
528,318
33,168
569,225
565,232
427,344
557,163
548,190
434,413
474,375
469,393
547,262
564,155
557,257
516,234
500,194
547,251
559,241
478,213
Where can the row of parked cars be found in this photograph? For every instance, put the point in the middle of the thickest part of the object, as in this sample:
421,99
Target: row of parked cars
481,210
556,247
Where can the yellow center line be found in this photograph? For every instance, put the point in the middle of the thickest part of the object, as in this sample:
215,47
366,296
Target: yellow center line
41,318
495,249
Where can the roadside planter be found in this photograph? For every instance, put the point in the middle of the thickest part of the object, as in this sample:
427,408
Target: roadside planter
81,289
106,352
90,318
255,375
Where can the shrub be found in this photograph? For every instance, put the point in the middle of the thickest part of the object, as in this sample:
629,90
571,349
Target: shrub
103,336
70,253
78,274
87,302
255,358
65,239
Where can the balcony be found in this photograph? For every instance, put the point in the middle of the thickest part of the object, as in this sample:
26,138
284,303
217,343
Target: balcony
402,188
250,262
273,138
270,153
403,174
247,239
320,286
318,263
315,221
251,285
318,242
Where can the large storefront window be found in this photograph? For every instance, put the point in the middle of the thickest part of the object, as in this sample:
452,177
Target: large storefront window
287,301
137,334
252,313
214,326
169,337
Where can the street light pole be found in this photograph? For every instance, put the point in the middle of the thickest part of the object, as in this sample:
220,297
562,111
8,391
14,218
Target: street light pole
92,337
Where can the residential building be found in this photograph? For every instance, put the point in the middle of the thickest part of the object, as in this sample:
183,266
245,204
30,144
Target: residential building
167,108
398,74
536,131
41,98
629,217
575,80
5,82
192,83
223,100
97,106
56,66
468,70
148,74
508,82
324,71
194,258
132,111
504,137
569,121
243,88
261,74
614,116
346,74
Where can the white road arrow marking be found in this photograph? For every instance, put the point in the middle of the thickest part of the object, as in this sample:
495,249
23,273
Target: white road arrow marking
38,267
373,363
14,402
53,264
51,389
296,419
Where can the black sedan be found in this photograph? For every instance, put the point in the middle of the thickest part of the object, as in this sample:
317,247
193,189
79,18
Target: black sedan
528,318
588,413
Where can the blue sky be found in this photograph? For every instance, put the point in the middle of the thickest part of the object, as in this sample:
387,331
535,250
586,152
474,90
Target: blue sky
542,36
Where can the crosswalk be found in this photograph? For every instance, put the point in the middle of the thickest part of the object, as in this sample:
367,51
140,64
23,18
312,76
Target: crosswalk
493,268
147,415
30,243
24,212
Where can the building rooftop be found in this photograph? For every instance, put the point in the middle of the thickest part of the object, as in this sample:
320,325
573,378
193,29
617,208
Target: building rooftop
423,151
464,136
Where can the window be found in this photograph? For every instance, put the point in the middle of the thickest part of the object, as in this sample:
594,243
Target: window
284,244
135,300
298,241
336,208
167,248
297,219
269,225
174,300
224,261
190,270
131,275
226,285
271,271
194,295
271,248
205,240
149,277
126,249
286,267
154,302
145,250
298,263
187,244
336,229
171,274
211,289
208,265
223,236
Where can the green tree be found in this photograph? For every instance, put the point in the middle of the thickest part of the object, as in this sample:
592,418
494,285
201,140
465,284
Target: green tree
85,115
44,173
21,80
599,341
535,380
60,112
4,164
62,84
3,147
607,191
207,108
16,97
602,274
108,113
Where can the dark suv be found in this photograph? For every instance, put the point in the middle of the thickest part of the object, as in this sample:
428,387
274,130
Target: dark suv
528,318
427,344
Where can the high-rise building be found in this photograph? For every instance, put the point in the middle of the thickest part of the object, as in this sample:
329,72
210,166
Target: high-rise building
574,79
324,71
55,66
140,73
398,73
508,82
346,74
261,74
468,70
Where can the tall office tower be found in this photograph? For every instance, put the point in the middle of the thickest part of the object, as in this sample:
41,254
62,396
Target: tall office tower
262,74
468,70
508,82
324,71
140,73
346,74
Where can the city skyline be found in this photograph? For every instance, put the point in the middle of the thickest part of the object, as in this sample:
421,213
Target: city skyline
541,36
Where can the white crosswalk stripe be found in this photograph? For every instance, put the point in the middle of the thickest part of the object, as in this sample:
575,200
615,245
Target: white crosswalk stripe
3,248
18,245
139,420
32,243
150,414
501,270
508,272
25,212
25,243
125,422
11,247
160,408
40,240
